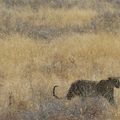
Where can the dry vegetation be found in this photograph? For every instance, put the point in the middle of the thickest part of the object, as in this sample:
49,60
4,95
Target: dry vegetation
45,43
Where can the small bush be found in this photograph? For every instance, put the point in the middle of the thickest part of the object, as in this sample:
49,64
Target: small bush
107,22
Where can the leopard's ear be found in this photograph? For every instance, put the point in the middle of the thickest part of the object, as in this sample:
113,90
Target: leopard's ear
110,78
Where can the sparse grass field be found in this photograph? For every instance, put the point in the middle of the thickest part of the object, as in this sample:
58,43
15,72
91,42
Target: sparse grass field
56,44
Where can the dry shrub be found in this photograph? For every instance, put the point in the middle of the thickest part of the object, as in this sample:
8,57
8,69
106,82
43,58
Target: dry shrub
107,22
84,4
96,108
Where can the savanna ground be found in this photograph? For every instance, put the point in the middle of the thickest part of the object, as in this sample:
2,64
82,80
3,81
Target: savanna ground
55,42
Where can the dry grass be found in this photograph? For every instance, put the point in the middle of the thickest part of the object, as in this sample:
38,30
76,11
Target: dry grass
46,23
24,62
59,17
29,68
52,17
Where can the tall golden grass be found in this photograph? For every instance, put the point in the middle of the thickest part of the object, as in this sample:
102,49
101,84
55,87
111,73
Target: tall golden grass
30,68
51,17
87,56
